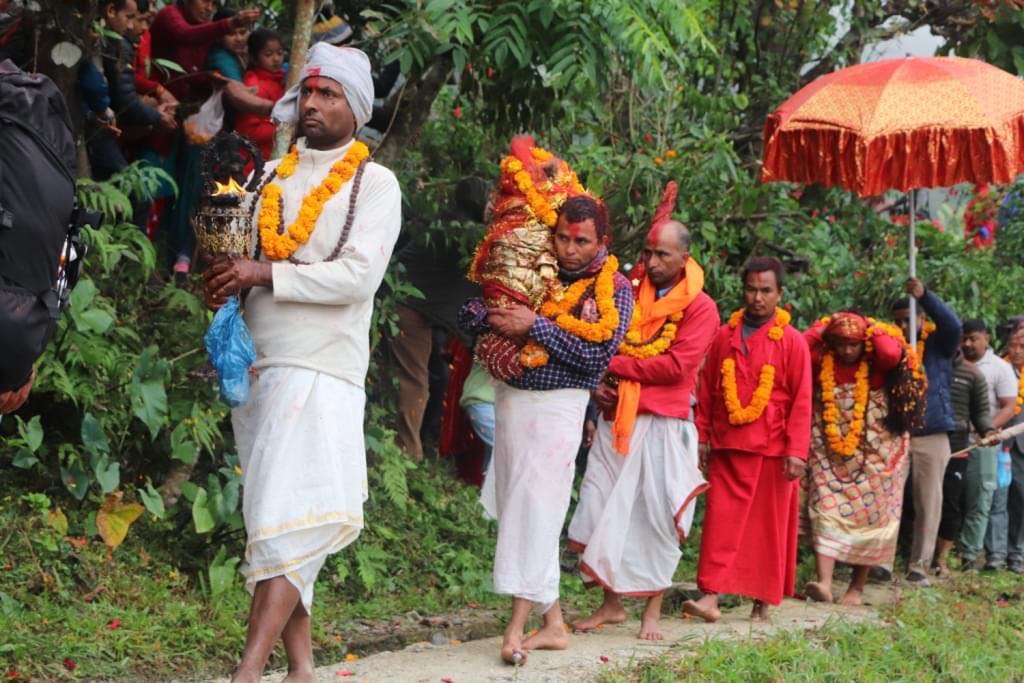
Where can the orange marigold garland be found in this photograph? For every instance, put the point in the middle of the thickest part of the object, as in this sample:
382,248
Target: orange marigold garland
559,306
845,446
738,413
279,243
633,345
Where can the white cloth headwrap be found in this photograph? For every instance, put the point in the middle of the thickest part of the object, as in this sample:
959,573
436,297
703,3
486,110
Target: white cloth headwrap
346,65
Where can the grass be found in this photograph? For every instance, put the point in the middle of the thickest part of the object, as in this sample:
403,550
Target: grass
969,629
72,610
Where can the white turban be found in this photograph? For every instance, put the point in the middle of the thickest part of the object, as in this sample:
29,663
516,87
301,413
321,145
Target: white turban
346,65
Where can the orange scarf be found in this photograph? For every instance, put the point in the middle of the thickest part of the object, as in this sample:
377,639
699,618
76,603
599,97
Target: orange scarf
654,313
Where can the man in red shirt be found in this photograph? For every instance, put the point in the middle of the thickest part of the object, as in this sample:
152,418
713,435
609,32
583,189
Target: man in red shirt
642,474
754,419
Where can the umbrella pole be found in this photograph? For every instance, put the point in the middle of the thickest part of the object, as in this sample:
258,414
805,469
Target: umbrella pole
912,260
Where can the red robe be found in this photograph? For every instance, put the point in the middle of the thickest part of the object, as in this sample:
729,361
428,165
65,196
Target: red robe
667,381
748,545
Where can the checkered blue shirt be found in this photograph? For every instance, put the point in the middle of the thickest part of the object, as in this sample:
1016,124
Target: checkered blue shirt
573,363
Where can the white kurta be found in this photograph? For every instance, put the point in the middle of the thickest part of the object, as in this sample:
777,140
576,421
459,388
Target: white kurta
536,437
300,436
635,510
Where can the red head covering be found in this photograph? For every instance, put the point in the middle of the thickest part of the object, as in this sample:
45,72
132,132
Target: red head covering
848,327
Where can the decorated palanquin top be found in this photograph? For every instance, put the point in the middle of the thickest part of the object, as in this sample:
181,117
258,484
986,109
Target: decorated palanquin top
515,261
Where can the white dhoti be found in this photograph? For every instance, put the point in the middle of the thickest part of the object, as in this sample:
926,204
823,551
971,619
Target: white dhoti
300,442
536,437
635,510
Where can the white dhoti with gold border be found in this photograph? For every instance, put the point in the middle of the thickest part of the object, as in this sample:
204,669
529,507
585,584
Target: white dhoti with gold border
300,442
536,437
635,510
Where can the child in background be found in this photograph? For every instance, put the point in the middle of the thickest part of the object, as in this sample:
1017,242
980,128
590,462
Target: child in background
228,56
265,78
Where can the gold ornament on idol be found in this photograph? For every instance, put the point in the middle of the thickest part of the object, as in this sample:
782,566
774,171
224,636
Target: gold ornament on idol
845,446
277,242
738,413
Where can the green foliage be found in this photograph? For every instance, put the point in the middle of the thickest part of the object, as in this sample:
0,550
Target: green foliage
120,393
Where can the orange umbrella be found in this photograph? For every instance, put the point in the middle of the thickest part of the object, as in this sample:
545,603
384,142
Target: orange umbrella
900,124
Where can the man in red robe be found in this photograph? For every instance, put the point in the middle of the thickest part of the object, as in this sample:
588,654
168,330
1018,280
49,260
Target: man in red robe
754,422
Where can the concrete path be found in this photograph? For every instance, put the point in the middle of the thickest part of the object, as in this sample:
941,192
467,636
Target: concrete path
588,654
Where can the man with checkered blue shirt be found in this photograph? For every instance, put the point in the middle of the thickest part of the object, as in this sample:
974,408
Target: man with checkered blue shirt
539,416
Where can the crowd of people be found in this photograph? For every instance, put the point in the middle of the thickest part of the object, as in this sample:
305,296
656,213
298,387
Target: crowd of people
842,435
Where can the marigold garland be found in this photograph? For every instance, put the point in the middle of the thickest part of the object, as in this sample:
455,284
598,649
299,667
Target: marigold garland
558,308
738,413
279,243
845,446
925,332
782,318
539,204
633,345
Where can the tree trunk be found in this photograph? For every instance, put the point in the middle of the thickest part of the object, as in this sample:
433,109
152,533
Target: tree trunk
413,112
57,23
305,12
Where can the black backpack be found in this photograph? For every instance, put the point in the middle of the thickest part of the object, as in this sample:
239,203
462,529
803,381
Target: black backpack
40,222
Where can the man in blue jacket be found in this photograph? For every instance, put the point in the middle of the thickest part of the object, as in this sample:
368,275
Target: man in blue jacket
939,334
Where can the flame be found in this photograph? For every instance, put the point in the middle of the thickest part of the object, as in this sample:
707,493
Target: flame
231,187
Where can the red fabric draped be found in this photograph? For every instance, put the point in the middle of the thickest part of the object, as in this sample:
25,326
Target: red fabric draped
748,544
457,438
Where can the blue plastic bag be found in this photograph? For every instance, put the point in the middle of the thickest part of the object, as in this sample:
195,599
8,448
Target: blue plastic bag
1005,469
232,352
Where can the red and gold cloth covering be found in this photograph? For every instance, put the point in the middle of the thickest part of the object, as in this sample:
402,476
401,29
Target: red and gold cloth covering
900,124
515,262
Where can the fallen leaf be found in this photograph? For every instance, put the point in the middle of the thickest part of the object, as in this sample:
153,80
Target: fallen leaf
115,518
57,520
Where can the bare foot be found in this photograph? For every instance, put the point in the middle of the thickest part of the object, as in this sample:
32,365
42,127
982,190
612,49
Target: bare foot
551,637
706,608
605,614
512,650
818,592
245,676
649,628
760,612
300,677
853,598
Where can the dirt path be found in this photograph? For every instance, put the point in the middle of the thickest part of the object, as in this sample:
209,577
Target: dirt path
588,654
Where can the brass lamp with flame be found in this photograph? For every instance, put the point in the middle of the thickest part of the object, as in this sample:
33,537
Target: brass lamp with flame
223,223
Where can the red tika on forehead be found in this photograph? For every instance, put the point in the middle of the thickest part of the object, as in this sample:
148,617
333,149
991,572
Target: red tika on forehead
654,234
